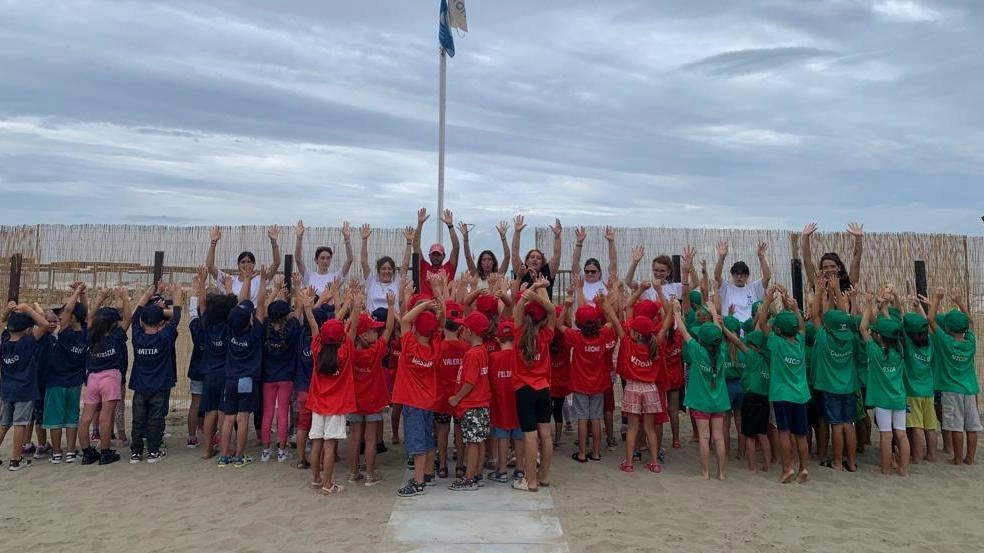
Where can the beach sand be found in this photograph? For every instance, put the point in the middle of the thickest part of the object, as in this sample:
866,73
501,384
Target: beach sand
188,504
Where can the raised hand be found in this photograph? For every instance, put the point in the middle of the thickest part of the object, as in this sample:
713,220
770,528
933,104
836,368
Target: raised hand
809,229
556,227
408,233
273,232
215,233
637,253
295,281
299,229
610,233
731,309
422,216
722,249
227,283
580,234
856,229
689,253
519,223
447,217
346,231
599,298
762,247
121,292
463,227
390,299
502,227
939,293
577,281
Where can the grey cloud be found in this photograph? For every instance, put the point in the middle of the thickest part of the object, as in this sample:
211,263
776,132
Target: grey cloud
743,62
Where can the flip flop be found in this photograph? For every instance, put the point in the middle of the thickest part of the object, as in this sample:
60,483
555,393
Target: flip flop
626,466
335,489
577,458
543,484
594,457
316,484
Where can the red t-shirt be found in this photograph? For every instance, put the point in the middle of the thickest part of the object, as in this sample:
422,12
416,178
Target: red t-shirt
672,352
590,372
371,395
416,379
474,371
634,362
501,366
426,270
536,375
491,345
560,370
335,394
447,373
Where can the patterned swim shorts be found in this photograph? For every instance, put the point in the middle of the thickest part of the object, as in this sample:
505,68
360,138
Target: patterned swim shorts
475,426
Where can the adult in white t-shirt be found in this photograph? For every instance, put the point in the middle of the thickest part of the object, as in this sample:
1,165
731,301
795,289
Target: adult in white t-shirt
385,279
487,262
662,268
594,279
741,293
321,275
246,262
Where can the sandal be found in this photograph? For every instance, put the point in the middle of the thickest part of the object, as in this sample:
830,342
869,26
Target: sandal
442,472
523,485
335,489
303,464
316,484
829,463
578,458
543,484
654,467
593,457
676,444
626,466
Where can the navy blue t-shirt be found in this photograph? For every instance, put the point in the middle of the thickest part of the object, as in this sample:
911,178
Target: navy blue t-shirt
245,353
19,368
280,351
302,378
196,366
153,355
215,339
66,363
112,354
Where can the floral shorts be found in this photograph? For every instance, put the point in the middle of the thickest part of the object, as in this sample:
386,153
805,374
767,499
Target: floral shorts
475,426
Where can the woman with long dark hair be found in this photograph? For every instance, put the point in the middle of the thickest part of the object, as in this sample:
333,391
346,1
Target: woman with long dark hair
321,274
535,264
245,261
487,263
830,263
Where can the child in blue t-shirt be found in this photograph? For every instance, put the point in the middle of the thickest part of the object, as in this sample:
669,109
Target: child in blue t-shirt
64,377
151,376
19,352
282,330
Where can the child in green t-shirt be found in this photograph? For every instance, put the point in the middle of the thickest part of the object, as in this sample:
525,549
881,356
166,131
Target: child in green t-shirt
885,390
955,346
755,403
920,418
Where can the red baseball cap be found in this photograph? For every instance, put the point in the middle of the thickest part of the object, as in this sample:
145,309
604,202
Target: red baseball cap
417,298
436,248
425,323
475,322
643,325
487,304
506,330
536,311
646,308
366,323
586,314
332,332
453,309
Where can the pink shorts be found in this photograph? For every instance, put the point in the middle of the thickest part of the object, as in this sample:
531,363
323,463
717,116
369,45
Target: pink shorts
702,416
103,386
641,398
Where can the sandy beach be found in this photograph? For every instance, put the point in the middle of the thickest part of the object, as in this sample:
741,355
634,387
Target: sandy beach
185,503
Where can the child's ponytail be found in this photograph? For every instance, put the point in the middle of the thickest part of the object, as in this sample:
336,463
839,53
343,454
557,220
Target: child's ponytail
328,360
527,342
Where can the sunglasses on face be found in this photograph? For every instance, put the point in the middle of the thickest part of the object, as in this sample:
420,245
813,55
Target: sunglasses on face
590,271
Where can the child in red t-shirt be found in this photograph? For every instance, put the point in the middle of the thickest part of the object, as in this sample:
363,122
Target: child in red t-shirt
330,397
367,350
452,350
505,422
591,343
560,375
472,399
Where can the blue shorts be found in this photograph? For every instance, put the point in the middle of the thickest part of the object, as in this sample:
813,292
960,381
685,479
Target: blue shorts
503,434
839,408
213,386
418,430
234,401
791,417
736,393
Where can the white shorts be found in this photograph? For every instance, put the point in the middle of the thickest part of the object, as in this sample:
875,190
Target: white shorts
327,427
960,412
888,420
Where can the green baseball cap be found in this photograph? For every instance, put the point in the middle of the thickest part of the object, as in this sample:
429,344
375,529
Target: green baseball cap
709,335
756,338
787,323
732,324
914,323
696,300
894,313
956,321
838,323
887,327
748,326
755,308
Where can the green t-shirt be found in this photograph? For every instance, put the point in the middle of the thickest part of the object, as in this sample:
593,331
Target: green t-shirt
706,388
919,371
811,367
956,362
787,360
732,369
755,376
884,382
860,359
834,364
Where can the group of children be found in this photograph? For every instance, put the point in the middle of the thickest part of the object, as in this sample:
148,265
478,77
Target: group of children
495,356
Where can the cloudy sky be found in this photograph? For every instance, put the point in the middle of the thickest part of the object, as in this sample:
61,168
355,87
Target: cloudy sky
758,113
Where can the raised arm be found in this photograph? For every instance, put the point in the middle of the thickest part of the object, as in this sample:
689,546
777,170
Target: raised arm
126,313
764,265
857,231
808,266
299,247
506,252
65,320
214,235
866,316
144,298
244,291
637,254
681,326
40,323
554,263
519,264
364,233
762,317
579,236
273,233
390,316
722,254
349,255
469,259
422,217
409,234
612,251
959,297
448,219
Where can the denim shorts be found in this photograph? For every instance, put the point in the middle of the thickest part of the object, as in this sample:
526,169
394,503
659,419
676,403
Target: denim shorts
418,430
504,434
375,417
736,393
839,408
791,417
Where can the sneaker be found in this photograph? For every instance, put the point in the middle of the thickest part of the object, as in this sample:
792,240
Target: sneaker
612,444
410,463
373,479
463,485
240,462
28,448
265,456
429,480
89,455
155,456
18,464
71,456
192,441
282,455
42,451
108,456
497,476
354,477
135,458
223,461
518,475
56,458
411,488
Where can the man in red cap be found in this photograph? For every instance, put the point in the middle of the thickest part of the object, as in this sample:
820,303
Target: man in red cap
435,260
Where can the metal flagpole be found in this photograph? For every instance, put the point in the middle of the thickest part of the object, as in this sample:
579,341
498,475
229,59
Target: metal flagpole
440,148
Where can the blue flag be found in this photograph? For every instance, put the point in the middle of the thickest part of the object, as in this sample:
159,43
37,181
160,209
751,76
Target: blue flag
444,31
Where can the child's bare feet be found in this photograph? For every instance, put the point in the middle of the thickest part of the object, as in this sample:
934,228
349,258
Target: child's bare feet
765,467
787,476
804,475
721,476
704,475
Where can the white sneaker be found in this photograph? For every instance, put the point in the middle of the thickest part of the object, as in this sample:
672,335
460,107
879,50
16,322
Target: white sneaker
265,456
354,477
282,455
